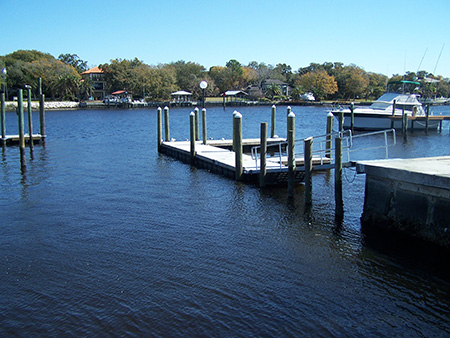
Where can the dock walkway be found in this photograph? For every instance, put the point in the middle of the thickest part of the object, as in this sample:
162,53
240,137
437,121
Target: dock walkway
215,157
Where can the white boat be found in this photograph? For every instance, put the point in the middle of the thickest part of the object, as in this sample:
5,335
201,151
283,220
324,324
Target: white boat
398,98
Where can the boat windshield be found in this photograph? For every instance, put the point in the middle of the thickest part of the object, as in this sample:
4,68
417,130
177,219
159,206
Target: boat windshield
403,87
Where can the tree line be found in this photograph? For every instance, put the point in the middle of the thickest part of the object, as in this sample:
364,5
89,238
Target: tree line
62,78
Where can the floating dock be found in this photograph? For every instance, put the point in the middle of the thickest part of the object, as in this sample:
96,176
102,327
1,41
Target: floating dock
409,196
217,157
14,139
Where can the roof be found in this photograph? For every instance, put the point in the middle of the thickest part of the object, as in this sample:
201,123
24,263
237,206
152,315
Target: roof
234,92
181,92
94,70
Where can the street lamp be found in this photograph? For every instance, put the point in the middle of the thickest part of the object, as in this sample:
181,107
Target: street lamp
4,82
203,86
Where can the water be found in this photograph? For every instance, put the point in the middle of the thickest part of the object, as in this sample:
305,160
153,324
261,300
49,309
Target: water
102,236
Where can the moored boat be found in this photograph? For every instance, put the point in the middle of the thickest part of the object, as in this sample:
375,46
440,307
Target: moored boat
385,112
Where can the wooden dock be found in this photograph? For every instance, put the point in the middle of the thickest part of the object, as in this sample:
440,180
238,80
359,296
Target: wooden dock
217,157
14,139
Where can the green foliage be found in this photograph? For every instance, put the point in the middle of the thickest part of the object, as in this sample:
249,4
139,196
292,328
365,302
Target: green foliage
74,61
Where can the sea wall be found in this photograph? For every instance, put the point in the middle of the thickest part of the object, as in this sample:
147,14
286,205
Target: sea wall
12,105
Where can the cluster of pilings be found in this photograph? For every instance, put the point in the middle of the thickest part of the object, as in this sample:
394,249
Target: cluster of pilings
5,139
237,146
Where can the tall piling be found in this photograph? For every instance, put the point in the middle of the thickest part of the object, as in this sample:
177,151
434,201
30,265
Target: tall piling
338,178
308,144
196,124
263,155
237,141
291,152
427,117
166,124
404,125
204,125
352,116
3,117
30,117
42,116
341,122
393,114
159,126
192,135
329,136
21,128
272,125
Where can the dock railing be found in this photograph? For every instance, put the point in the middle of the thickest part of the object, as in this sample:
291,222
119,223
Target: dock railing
325,154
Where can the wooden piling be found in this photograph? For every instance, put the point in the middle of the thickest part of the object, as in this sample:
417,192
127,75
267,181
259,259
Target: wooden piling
288,111
159,126
192,135
338,178
272,126
21,128
237,141
291,152
30,118
393,113
42,117
204,125
404,125
166,124
341,121
196,124
308,143
3,117
427,117
329,137
263,155
39,87
352,116
233,145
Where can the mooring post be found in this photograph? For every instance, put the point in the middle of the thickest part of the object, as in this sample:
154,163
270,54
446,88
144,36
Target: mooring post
338,178
196,130
237,141
329,136
352,116
3,117
39,87
341,122
272,126
288,111
166,124
308,169
21,128
393,114
159,126
42,116
291,153
404,125
233,145
192,135
427,117
263,155
30,117
204,125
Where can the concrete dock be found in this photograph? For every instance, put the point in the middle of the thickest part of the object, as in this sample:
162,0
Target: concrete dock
410,196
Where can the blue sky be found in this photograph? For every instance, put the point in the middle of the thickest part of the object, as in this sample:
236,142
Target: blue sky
383,36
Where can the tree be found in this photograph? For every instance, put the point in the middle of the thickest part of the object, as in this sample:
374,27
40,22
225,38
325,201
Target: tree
352,82
74,61
319,83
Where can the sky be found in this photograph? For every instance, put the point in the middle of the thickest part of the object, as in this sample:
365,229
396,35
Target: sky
382,36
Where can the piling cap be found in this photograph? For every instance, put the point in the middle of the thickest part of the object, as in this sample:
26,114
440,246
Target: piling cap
196,109
237,115
159,108
204,109
166,107
274,106
192,113
291,114
330,114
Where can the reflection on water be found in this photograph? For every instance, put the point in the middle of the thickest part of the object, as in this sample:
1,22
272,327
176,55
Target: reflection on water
101,235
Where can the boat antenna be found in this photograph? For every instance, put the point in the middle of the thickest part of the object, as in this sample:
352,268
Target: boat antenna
420,64
434,71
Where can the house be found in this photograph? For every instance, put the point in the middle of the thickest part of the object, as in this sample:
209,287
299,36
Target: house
284,87
181,96
96,79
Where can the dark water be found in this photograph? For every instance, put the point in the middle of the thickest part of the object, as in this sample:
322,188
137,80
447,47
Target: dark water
102,236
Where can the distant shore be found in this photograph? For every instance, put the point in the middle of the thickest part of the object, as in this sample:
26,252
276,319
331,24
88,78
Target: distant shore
11,106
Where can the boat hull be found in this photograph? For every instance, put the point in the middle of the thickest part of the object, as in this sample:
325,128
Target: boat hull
367,121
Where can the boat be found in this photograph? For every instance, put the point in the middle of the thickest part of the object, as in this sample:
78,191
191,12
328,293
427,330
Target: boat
386,112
